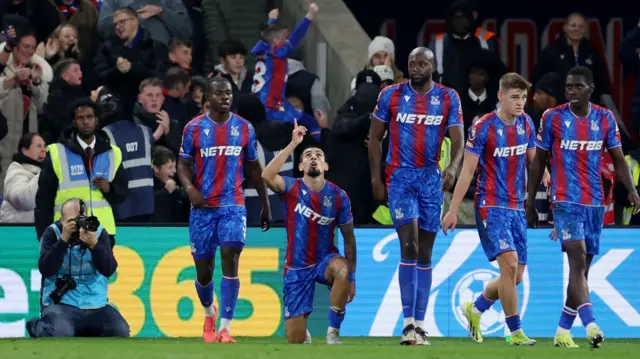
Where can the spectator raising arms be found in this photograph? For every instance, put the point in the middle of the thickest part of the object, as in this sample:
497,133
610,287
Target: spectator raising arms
21,182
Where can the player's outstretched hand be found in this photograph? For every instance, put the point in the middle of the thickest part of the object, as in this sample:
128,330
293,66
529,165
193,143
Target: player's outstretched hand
532,215
265,218
298,133
273,14
352,292
635,201
448,179
449,222
195,197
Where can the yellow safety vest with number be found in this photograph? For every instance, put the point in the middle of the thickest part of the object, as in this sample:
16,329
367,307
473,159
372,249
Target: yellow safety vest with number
635,173
382,214
74,183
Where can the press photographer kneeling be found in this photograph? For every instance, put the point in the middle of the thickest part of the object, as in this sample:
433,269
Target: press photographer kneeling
76,260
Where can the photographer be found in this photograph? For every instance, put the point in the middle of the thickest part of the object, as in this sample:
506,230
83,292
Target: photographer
76,261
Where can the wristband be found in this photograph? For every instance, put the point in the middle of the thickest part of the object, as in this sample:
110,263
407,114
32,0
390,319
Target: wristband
272,21
352,277
7,49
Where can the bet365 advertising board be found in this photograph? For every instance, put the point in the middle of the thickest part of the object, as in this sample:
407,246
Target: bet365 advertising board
154,284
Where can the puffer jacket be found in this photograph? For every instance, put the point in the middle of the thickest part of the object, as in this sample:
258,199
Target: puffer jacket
20,187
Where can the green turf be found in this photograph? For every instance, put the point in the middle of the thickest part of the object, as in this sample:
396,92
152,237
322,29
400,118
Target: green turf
354,348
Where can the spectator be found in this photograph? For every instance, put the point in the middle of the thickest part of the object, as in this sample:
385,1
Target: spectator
349,135
171,200
272,137
306,86
180,108
199,86
164,19
81,16
135,141
127,58
548,93
62,44
24,86
41,15
630,57
3,129
571,49
69,253
386,75
180,55
64,173
231,54
64,90
194,8
21,182
621,195
382,51
452,48
478,100
148,111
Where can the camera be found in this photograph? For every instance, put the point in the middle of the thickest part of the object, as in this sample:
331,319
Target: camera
89,223
63,285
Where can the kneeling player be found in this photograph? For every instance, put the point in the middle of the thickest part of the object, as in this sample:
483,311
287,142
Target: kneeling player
499,144
312,208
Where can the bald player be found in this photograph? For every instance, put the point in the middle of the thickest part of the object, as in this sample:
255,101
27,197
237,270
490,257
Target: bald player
419,113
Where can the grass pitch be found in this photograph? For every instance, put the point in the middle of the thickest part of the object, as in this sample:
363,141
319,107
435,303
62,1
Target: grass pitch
274,348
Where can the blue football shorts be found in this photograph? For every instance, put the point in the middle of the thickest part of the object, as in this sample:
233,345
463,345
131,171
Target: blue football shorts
575,222
213,227
416,193
502,230
299,287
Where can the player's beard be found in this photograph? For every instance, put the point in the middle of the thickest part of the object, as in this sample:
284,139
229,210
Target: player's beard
421,81
313,172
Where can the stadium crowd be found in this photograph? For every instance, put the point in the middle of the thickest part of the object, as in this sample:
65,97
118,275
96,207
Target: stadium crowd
142,68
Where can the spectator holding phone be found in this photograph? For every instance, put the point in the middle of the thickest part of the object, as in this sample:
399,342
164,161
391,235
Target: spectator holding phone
24,86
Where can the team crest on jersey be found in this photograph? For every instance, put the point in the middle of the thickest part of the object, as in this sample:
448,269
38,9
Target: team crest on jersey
594,126
327,201
567,123
435,101
234,131
520,130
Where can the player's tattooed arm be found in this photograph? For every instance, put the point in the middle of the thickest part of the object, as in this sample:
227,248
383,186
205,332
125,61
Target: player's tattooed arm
456,133
349,245
538,168
273,180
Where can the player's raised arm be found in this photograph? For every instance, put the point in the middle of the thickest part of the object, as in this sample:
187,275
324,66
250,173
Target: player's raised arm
270,173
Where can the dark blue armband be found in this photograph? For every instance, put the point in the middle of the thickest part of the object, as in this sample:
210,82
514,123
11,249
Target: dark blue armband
352,277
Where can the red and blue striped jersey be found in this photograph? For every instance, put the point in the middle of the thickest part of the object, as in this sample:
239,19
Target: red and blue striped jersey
502,163
310,218
219,152
270,76
577,146
417,123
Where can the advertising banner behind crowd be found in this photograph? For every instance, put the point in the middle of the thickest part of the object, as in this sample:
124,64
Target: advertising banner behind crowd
154,284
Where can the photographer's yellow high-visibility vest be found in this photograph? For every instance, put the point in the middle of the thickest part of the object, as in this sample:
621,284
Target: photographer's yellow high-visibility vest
74,183
635,173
